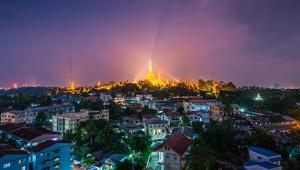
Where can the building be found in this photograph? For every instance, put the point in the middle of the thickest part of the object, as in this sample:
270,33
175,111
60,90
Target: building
199,116
28,115
13,116
172,118
196,104
12,158
150,77
132,125
40,149
156,128
173,151
105,97
162,105
271,122
69,122
51,155
23,136
260,158
218,112
49,111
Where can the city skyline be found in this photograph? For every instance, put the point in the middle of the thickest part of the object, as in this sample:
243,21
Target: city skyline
53,43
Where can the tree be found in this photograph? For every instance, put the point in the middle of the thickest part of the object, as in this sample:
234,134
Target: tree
140,145
126,165
180,110
201,157
198,127
185,120
264,140
40,120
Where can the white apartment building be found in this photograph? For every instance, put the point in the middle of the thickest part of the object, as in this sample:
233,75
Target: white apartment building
69,122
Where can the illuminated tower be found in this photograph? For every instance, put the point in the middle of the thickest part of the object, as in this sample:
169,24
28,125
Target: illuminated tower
72,88
150,75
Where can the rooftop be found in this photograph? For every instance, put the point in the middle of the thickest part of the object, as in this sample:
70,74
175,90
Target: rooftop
45,145
24,131
76,115
7,149
155,121
262,151
265,165
179,143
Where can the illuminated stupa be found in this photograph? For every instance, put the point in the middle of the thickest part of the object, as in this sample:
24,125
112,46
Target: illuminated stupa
72,88
150,77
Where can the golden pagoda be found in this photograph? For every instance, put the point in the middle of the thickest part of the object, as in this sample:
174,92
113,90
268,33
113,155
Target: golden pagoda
71,88
150,75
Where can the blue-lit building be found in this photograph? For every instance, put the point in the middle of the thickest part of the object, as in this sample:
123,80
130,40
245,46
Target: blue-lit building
260,158
12,158
51,155
41,149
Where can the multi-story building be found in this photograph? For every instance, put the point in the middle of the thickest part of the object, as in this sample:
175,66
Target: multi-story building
41,149
172,117
105,97
199,104
172,152
69,122
50,155
202,116
260,158
131,125
156,128
13,116
12,158
32,112
28,115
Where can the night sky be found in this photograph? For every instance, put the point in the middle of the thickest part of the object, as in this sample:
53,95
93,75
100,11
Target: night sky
254,42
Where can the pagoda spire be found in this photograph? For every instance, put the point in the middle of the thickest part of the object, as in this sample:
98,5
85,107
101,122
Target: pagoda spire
150,75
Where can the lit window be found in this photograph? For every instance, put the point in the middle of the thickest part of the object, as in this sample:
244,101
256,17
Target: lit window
6,165
56,159
56,166
21,161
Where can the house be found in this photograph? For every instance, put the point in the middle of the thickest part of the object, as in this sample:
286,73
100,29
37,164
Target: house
172,117
218,112
12,158
199,116
105,97
260,158
185,130
51,155
131,125
161,105
196,104
194,116
70,121
271,122
173,151
156,128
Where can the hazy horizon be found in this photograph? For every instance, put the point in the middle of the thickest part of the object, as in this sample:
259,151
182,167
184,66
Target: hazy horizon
51,43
